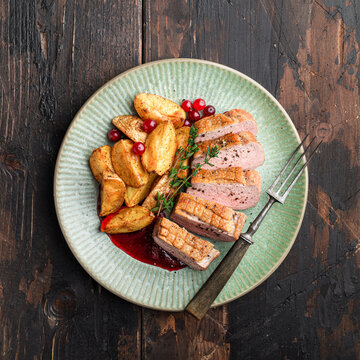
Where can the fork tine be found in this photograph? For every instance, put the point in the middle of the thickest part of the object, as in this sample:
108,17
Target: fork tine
296,164
287,164
284,196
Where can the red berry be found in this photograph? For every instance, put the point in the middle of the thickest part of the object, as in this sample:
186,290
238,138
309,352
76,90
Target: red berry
149,125
199,104
187,105
114,135
194,115
209,110
138,148
187,122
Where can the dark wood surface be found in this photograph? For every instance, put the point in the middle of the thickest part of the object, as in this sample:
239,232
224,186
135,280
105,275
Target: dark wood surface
55,53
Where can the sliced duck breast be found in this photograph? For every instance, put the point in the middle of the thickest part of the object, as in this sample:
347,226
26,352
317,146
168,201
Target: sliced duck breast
233,121
245,121
190,249
230,187
207,218
235,150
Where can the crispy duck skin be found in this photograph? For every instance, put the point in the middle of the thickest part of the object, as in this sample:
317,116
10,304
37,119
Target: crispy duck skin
245,119
207,218
230,187
218,125
191,250
235,150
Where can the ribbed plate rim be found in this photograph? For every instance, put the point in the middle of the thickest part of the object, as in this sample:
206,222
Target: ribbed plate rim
91,98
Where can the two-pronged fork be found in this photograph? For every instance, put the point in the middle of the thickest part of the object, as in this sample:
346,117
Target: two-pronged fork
202,301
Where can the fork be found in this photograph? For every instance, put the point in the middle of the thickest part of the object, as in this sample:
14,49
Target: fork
202,301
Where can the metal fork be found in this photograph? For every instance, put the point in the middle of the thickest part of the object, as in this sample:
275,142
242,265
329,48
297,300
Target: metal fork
202,301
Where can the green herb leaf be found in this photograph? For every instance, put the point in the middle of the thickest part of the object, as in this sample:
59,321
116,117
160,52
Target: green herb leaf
173,172
179,151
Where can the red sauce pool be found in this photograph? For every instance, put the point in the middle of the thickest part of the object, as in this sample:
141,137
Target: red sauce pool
141,246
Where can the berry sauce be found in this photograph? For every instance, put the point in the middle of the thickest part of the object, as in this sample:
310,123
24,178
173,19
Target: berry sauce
141,246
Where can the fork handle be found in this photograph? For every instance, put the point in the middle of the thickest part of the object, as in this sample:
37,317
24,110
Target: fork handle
254,226
202,301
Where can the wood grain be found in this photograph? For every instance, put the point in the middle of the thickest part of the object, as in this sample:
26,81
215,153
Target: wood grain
179,336
310,299
217,31
55,54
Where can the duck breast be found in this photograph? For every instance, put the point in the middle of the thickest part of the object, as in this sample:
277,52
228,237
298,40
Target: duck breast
207,218
230,187
190,249
233,121
235,150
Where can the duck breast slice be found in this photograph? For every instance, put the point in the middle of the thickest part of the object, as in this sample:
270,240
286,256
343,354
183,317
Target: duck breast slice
207,218
230,187
235,150
190,249
218,125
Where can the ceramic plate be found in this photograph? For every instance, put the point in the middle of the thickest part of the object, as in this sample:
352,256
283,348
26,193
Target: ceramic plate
76,191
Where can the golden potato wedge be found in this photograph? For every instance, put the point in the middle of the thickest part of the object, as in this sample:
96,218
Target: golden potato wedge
162,186
100,161
131,126
155,107
128,165
160,149
182,138
134,195
112,193
127,220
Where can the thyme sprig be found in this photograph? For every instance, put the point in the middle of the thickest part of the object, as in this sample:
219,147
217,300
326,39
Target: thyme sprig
166,202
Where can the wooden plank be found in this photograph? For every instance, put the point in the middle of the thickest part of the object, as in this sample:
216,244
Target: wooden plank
179,336
236,34
54,55
307,309
233,33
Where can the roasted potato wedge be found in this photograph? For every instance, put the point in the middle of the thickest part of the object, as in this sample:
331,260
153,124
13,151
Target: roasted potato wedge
134,195
160,149
100,161
127,220
182,138
162,186
155,107
131,126
112,193
128,165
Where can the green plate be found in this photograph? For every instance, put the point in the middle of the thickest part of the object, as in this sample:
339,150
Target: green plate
76,191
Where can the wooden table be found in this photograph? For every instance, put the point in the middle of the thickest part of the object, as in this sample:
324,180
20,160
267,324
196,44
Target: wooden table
55,54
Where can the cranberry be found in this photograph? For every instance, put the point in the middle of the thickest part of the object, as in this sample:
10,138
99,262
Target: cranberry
194,115
209,110
149,125
187,122
114,135
138,148
187,105
199,104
